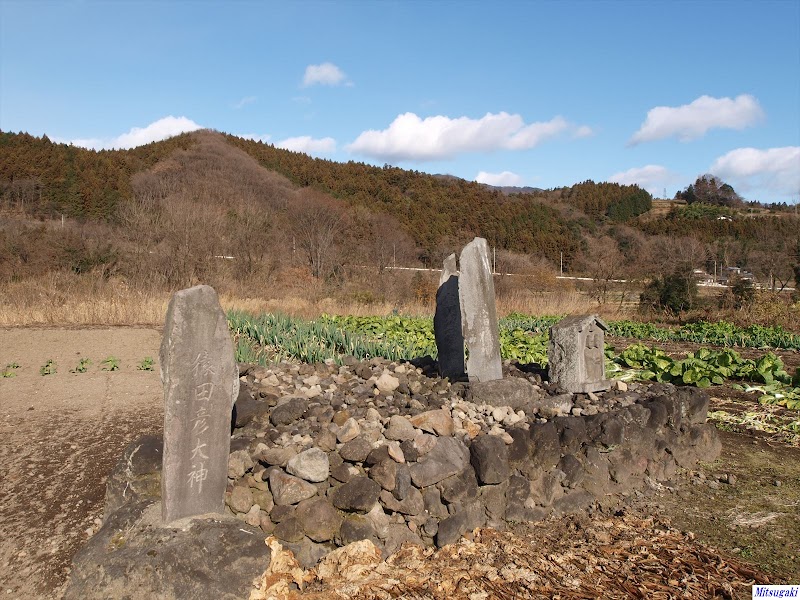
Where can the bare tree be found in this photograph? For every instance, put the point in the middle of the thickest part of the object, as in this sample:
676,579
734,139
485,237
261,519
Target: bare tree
317,221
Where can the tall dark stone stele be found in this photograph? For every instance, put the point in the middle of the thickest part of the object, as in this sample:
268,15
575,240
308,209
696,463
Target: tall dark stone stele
201,383
479,313
447,324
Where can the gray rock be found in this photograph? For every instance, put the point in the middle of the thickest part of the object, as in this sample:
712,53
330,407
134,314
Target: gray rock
289,530
247,409
402,482
132,556
459,488
239,462
489,458
396,536
137,474
387,383
288,411
572,469
553,406
511,391
448,457
240,499
433,502
201,383
348,431
385,473
545,446
355,528
319,519
357,495
478,313
311,465
412,504
276,455
356,450
400,429
456,525
309,553
287,489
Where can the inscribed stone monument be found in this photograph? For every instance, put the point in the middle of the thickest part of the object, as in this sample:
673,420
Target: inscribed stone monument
576,354
478,313
201,383
447,323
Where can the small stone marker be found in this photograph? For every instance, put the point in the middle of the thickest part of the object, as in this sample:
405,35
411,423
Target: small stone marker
576,354
447,323
478,313
201,383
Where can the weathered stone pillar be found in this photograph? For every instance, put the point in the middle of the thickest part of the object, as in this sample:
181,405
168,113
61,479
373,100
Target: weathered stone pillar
201,383
576,354
479,313
447,323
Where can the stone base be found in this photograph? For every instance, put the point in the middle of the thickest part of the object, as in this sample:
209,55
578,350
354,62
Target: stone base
585,388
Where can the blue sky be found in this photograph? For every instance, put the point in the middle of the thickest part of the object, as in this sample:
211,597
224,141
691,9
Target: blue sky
525,93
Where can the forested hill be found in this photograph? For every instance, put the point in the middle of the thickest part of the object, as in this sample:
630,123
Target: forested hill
44,179
48,179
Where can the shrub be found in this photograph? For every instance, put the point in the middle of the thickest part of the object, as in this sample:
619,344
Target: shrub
675,293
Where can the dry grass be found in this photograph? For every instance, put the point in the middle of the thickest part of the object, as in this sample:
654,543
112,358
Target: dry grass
66,299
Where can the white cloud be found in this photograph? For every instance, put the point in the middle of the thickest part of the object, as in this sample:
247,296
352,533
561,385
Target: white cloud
244,102
499,179
775,169
409,137
139,136
583,131
692,121
309,145
653,178
324,74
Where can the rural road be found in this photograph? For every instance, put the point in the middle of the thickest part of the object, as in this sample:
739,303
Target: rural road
60,436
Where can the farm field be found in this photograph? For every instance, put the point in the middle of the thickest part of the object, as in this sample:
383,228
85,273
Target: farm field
63,432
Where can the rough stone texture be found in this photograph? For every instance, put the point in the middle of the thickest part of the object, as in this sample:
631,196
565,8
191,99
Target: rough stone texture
201,384
387,383
312,465
447,328
399,429
288,411
288,489
356,450
576,354
247,408
359,495
489,458
541,466
553,406
132,556
511,391
448,457
240,499
137,475
478,313
412,504
435,421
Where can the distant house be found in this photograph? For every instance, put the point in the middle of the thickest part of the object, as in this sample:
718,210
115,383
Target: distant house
729,273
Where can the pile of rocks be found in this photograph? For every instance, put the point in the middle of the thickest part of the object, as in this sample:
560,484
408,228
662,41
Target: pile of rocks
325,455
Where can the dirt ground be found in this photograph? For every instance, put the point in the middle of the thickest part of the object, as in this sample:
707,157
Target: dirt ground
61,434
